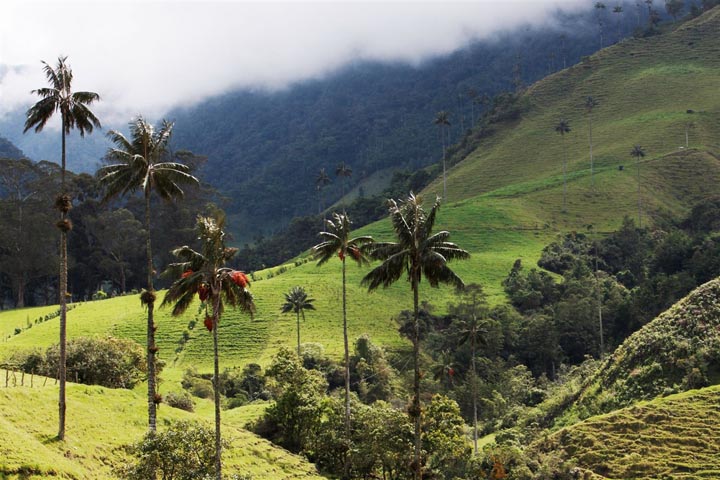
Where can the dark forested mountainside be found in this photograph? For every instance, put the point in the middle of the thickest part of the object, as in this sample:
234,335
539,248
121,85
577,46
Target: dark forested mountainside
8,150
265,150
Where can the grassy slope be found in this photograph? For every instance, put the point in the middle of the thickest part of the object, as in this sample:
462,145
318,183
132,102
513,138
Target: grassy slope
644,88
674,437
677,351
100,422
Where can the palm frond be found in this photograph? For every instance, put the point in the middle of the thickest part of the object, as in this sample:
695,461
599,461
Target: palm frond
388,272
39,114
84,119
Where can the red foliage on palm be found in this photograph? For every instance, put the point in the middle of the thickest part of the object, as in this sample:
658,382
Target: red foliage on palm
239,278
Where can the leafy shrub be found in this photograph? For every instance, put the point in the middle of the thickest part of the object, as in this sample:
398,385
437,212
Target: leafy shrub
180,400
185,451
99,295
109,362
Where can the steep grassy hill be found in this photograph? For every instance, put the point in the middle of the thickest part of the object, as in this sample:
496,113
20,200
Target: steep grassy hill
677,351
649,90
676,437
100,422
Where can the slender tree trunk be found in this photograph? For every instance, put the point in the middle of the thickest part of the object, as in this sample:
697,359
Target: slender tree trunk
599,300
592,178
151,348
20,298
637,163
346,468
474,395
216,386
122,279
298,331
417,467
63,301
564,208
442,133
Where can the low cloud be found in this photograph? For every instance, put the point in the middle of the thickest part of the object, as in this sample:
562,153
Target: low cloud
151,56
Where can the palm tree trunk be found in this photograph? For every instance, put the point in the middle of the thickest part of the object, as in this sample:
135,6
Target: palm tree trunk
474,396
346,467
151,348
637,163
417,468
564,208
592,178
298,331
216,387
599,300
63,302
444,178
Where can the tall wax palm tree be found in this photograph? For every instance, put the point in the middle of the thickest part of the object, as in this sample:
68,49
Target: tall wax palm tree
337,241
442,120
204,273
473,95
296,300
444,369
562,128
419,253
143,162
590,104
74,113
600,8
321,181
637,152
344,171
470,326
618,9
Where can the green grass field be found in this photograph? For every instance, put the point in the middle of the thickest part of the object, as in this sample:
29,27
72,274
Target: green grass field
100,422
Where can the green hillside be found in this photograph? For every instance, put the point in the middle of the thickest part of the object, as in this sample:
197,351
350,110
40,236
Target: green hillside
677,351
676,437
646,89
100,422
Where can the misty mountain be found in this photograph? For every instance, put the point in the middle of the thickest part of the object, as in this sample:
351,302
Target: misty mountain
83,154
8,150
265,149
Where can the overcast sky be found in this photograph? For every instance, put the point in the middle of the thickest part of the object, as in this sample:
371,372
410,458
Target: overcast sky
146,57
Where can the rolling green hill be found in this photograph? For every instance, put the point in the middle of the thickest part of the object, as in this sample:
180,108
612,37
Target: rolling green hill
100,422
645,89
676,437
677,351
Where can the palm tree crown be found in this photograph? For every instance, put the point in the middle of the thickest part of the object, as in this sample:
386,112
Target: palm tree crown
141,163
297,301
203,270
337,241
59,97
417,251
